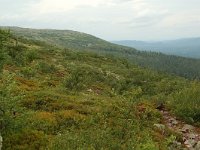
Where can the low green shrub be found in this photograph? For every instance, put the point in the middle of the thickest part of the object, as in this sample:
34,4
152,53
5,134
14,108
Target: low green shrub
28,72
31,55
26,140
186,103
46,68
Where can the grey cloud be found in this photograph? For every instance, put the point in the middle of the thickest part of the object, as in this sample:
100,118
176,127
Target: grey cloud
126,19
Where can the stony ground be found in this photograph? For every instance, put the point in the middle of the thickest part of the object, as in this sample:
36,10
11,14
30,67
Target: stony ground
190,135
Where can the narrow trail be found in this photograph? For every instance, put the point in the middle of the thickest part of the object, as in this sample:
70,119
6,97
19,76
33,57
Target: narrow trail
190,135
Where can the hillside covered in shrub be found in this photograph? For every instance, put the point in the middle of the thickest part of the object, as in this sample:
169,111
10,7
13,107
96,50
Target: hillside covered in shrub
57,98
185,67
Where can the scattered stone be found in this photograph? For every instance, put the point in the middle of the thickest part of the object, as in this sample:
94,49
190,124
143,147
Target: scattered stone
190,143
173,121
175,146
160,106
160,127
89,90
192,136
1,142
197,147
187,128
165,113
169,125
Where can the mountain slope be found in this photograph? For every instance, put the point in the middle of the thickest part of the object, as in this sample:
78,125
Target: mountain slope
52,98
61,38
185,67
182,47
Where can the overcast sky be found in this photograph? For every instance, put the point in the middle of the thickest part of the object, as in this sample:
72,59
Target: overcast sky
108,19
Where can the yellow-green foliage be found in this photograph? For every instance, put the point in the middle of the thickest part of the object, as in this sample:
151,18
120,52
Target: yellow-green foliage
185,103
60,99
26,140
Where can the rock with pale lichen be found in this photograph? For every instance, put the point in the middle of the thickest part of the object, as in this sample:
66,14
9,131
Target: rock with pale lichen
1,142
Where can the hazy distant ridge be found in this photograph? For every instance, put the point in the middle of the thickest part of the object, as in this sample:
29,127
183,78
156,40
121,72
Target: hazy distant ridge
188,47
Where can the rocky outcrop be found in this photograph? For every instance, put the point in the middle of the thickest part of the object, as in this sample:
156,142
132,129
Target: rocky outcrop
190,134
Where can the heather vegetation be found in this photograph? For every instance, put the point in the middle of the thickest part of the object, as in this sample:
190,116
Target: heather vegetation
185,67
57,98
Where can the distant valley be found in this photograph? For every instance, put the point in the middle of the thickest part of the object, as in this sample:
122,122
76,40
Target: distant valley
188,47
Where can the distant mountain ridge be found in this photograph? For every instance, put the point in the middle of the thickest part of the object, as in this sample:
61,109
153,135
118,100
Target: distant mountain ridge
187,47
60,38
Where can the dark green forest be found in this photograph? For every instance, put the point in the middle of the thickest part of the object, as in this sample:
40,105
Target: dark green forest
58,97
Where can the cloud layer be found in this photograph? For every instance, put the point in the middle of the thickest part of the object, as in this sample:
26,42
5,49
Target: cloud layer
109,19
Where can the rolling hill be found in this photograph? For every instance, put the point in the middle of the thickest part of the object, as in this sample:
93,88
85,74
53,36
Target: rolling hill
54,98
66,39
189,47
